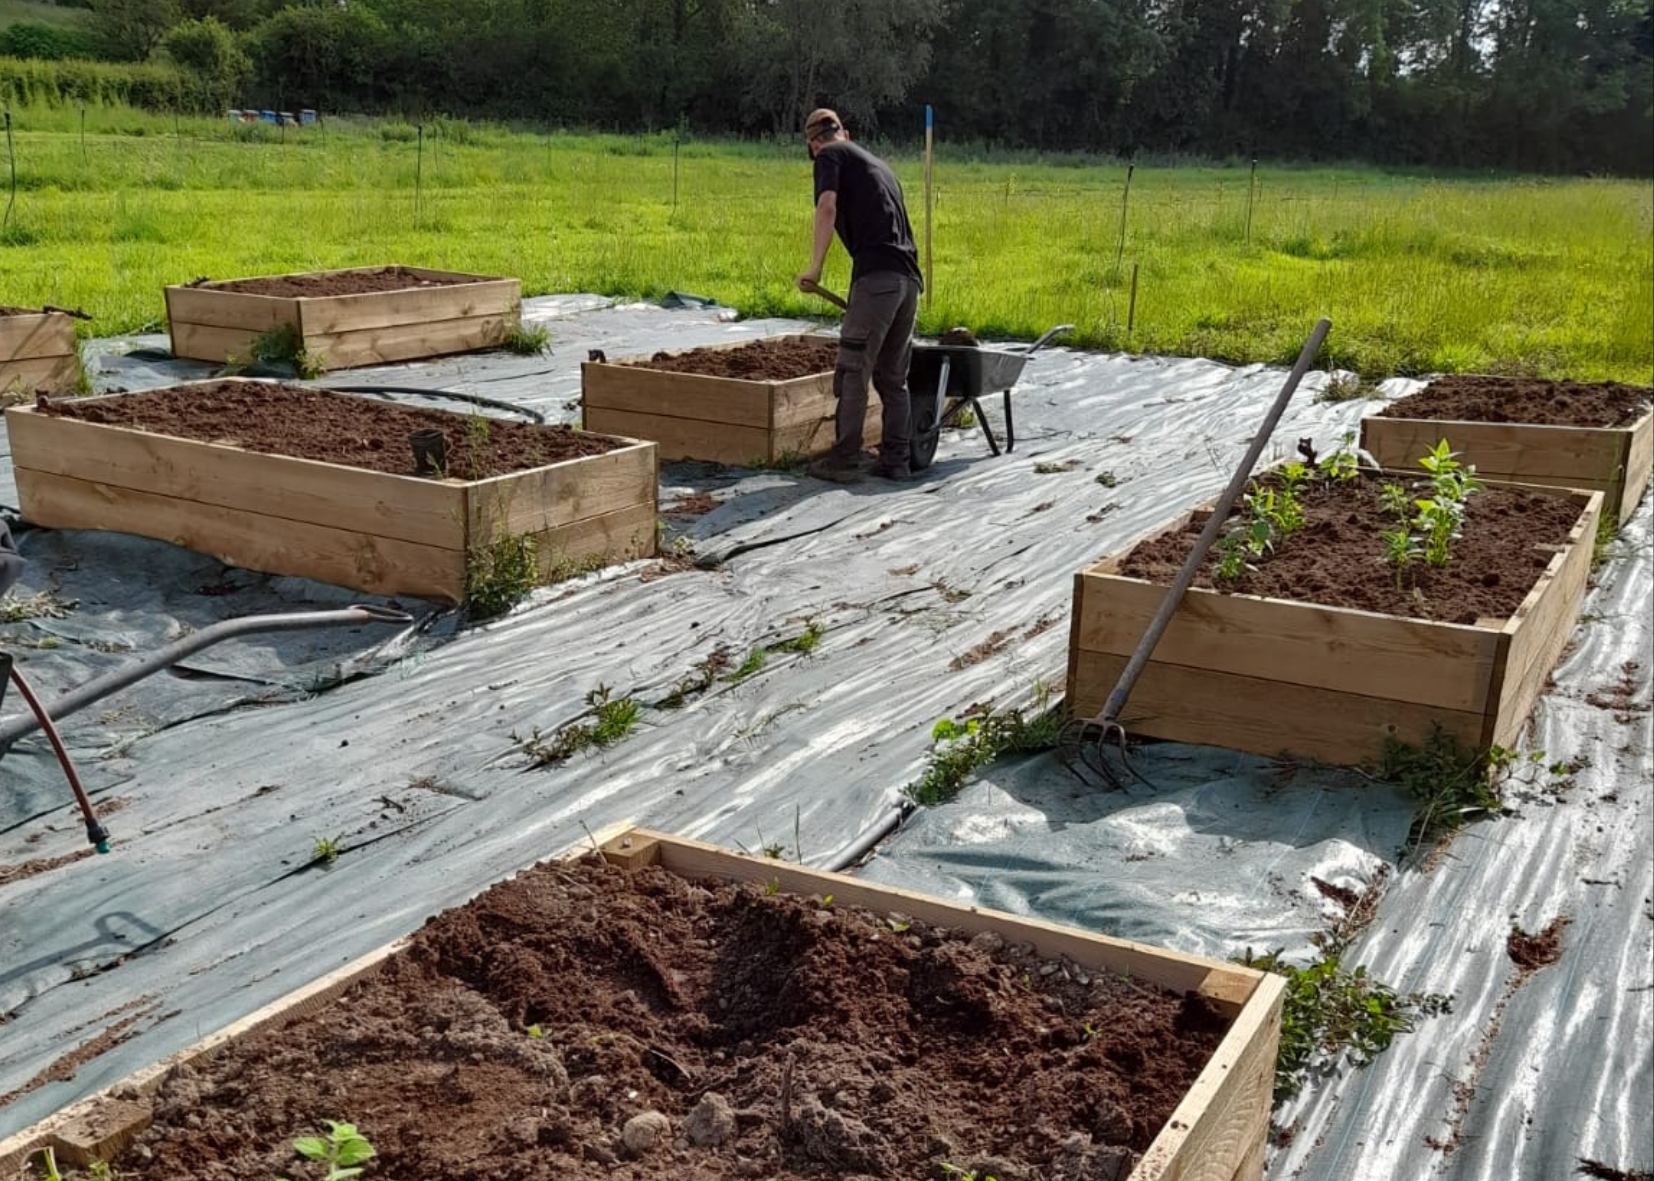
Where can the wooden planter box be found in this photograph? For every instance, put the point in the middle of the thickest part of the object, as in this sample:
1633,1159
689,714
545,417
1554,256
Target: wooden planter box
373,531
1615,461
717,419
37,352
1271,676
1217,1132
344,331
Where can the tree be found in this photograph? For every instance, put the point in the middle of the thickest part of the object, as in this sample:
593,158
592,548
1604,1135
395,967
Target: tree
131,29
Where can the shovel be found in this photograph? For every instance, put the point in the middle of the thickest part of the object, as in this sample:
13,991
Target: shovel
830,297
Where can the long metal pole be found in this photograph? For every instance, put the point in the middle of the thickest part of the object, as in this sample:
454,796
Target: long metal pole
1145,647
930,143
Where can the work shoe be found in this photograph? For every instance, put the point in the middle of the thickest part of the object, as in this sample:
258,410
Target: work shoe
901,474
827,468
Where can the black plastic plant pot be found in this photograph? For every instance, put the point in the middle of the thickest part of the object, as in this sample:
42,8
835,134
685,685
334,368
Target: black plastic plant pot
430,452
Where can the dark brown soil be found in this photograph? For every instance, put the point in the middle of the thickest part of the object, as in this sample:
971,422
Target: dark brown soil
357,282
1470,398
1337,560
362,432
778,359
530,1035
1532,952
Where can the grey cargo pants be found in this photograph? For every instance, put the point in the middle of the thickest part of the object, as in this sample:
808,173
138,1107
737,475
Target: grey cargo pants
875,343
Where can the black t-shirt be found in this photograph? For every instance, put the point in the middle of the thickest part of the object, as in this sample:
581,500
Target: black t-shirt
872,219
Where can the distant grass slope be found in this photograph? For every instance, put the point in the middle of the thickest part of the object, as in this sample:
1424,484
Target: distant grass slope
16,11
1418,273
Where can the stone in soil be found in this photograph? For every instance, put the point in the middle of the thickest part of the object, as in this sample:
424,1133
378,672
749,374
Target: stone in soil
363,432
1337,558
1472,398
781,358
581,1019
356,282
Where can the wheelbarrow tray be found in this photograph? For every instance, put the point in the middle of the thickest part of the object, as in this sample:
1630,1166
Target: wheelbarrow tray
972,372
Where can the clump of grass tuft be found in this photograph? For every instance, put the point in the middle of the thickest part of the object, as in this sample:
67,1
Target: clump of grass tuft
500,575
528,340
1453,784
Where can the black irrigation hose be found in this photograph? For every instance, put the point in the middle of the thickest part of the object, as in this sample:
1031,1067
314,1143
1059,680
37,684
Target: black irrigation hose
447,395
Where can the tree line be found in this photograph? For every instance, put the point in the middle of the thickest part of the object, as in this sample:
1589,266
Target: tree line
1532,85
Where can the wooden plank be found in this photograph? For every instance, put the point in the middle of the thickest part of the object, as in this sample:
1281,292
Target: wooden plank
253,541
44,334
690,396
406,508
615,537
1443,664
1541,628
204,342
98,1126
334,314
1221,1124
212,308
55,375
1639,464
1251,714
561,493
1498,449
683,438
403,342
807,400
1169,969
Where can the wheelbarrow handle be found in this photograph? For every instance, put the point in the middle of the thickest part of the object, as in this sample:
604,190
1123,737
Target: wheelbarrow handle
1048,337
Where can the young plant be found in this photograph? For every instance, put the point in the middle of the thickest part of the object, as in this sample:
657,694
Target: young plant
1438,524
1231,553
500,575
326,850
613,719
959,747
1395,501
1342,465
1401,550
528,341
342,1150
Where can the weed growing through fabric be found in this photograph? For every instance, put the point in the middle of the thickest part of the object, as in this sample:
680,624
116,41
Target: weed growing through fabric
961,746
528,341
45,605
1344,387
1052,469
343,1150
791,462
751,666
1454,785
1331,1011
282,344
1608,531
612,719
326,850
500,575
706,672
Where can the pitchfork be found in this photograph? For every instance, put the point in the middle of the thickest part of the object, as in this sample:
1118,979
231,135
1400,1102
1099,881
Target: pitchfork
1087,738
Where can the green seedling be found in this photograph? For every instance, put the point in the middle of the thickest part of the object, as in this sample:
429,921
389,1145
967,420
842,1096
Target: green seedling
1401,550
534,1031
751,666
1438,524
326,850
342,1150
500,575
772,887
1395,501
961,746
1343,465
1231,554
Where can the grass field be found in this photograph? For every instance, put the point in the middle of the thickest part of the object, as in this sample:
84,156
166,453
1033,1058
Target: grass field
1418,274
14,11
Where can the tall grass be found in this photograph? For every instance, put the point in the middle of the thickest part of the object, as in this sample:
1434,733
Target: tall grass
1418,273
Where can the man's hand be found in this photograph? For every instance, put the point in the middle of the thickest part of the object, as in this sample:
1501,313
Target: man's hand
809,281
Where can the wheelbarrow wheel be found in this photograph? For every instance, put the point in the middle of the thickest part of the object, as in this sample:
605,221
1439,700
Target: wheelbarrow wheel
927,430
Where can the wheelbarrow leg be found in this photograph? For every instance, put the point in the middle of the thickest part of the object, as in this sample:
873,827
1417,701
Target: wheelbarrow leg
987,431
1010,426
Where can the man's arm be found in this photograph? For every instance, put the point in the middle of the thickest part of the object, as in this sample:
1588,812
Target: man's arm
826,216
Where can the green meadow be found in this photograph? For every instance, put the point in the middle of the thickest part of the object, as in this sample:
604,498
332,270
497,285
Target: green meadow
1418,273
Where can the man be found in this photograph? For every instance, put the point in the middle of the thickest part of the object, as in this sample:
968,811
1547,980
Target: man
859,197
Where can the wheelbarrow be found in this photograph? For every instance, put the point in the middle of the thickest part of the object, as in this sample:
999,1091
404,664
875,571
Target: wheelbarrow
944,379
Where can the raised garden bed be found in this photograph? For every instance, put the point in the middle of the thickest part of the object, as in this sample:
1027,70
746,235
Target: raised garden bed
292,480
761,401
1324,649
340,319
1560,433
37,352
672,1010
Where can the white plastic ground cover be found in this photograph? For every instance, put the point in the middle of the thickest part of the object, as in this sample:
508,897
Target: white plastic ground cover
952,591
